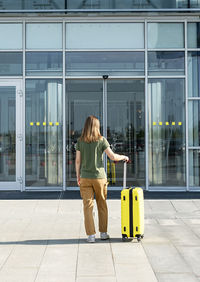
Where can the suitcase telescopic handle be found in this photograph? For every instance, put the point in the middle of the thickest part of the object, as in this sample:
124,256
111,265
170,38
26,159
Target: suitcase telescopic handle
124,175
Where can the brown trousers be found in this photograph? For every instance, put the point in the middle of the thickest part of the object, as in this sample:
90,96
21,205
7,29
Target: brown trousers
88,187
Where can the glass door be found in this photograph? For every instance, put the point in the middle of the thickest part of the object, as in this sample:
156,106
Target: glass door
83,98
119,104
11,138
126,130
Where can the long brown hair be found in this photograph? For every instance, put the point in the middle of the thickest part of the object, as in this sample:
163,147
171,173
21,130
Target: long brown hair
91,130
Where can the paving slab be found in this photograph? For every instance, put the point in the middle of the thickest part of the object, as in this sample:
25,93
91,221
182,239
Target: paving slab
25,256
96,279
131,262
181,235
165,257
176,277
184,205
191,255
16,274
95,259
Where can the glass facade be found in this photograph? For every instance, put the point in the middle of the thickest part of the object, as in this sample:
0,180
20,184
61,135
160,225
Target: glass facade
141,79
96,4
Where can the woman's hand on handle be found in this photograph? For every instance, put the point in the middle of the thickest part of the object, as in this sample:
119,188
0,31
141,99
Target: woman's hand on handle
126,159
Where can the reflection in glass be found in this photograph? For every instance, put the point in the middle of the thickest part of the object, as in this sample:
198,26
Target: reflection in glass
126,130
166,132
96,4
131,4
104,36
194,123
44,133
99,63
11,63
7,134
83,98
194,74
165,35
194,168
166,63
31,4
44,63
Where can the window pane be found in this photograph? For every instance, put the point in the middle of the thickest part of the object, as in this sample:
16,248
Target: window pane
104,35
44,63
7,133
11,36
166,132
99,63
194,123
193,32
44,36
193,74
194,168
11,63
44,133
166,63
165,35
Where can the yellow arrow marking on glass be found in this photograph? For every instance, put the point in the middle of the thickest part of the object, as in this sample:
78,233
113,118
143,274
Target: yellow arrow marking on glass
31,123
37,123
180,123
173,123
167,123
50,123
44,123
160,123
57,123
154,123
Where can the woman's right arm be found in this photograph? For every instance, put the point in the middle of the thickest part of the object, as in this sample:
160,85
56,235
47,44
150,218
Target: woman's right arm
115,157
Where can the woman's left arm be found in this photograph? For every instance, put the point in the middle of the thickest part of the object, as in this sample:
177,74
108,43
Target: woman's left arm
78,165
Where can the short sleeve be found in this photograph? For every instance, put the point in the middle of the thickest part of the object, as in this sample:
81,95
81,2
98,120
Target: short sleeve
105,144
78,145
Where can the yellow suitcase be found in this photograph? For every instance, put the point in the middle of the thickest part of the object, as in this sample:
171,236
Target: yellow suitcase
132,211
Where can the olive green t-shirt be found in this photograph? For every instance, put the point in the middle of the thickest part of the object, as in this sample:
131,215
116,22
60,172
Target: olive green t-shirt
92,158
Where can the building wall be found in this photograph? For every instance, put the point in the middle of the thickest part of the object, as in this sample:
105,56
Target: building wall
139,75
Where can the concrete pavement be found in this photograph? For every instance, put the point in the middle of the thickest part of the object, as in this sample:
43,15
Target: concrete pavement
44,240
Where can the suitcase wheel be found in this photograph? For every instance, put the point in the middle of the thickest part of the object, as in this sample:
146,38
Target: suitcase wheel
139,237
124,237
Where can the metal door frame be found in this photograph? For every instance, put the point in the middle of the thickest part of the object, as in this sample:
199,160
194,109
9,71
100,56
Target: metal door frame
18,183
104,79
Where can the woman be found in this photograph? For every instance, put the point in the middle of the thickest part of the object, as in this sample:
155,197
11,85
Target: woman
91,176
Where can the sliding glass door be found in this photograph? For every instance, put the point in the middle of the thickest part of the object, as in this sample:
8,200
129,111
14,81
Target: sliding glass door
119,104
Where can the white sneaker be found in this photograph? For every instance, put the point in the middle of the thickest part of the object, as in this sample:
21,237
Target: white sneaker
91,239
104,236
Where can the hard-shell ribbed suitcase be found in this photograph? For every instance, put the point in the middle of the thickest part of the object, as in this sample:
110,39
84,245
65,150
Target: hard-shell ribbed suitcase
132,211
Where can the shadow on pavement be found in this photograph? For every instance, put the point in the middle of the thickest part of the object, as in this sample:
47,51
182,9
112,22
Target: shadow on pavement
75,195
65,241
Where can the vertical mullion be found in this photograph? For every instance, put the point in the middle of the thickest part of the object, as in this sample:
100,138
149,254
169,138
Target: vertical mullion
64,119
146,109
186,109
105,117
23,157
